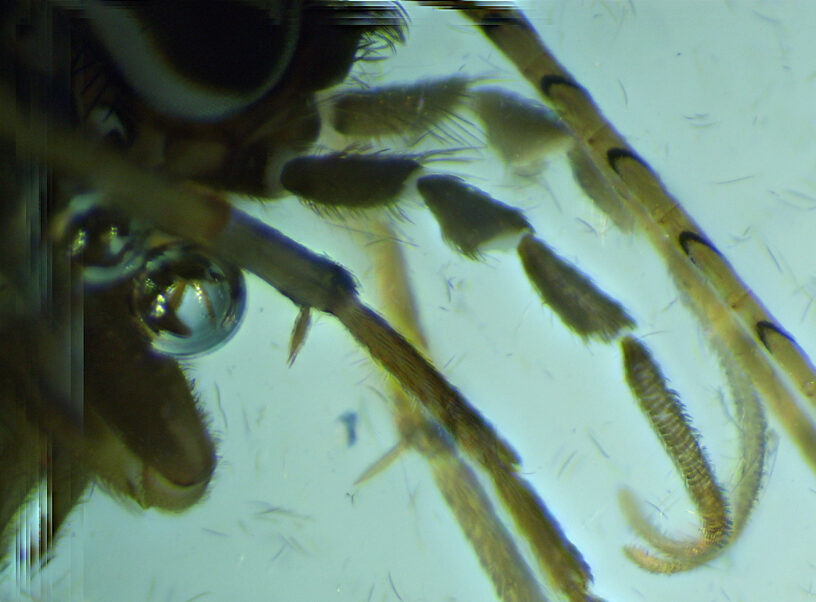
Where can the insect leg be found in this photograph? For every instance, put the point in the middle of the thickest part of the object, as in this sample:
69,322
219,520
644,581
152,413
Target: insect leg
708,282
667,416
199,215
498,555
471,220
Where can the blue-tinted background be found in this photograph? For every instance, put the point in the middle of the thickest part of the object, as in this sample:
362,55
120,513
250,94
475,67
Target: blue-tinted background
720,98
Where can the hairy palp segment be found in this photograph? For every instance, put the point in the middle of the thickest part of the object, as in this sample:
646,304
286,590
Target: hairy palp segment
402,110
668,417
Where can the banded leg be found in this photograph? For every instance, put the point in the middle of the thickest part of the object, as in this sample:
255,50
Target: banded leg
706,279
623,580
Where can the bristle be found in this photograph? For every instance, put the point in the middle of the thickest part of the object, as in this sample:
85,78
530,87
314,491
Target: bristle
470,219
349,181
572,295
406,111
521,131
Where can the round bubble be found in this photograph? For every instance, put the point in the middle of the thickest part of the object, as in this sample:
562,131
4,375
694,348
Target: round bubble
188,302
109,248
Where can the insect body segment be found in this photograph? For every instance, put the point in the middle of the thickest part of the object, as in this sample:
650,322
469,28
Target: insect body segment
702,274
753,437
349,181
299,332
177,451
156,448
512,578
573,296
521,131
598,189
469,218
667,415
408,111
669,419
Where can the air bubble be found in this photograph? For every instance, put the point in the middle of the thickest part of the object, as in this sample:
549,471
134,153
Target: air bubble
188,302
109,248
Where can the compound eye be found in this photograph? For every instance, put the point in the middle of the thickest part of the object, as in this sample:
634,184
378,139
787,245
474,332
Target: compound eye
198,61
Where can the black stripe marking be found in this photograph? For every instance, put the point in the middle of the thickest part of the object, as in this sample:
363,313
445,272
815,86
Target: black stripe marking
763,327
613,155
686,237
548,81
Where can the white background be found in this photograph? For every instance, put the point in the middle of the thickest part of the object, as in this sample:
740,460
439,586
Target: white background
708,93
